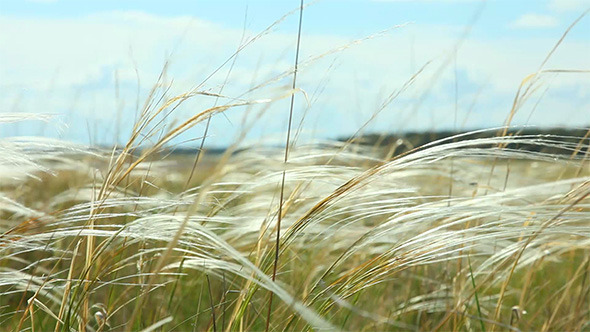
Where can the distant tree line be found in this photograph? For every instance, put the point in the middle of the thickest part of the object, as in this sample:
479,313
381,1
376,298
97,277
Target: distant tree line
404,142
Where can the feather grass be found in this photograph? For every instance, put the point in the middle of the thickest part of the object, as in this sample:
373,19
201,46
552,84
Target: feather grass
354,236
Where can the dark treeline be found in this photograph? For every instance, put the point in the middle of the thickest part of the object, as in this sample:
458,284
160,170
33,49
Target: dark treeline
404,142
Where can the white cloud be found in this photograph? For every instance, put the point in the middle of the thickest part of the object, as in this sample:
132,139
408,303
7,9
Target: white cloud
441,1
569,5
532,20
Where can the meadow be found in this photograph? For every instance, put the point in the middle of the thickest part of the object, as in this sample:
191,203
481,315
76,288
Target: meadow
484,230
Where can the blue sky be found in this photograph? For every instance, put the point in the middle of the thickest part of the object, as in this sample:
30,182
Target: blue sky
78,60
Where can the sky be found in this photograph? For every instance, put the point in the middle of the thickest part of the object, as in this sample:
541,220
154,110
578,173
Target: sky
91,65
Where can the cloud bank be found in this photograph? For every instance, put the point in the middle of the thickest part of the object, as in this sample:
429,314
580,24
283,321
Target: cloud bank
96,70
535,21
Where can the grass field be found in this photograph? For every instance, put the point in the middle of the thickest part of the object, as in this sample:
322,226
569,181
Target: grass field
462,235
470,233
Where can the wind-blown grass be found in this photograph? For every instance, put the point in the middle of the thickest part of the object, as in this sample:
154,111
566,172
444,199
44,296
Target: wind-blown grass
366,242
464,233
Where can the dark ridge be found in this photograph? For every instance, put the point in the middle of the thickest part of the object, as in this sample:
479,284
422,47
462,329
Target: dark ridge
191,151
404,142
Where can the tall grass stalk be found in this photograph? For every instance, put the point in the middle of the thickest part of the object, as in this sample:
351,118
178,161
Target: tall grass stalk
282,192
